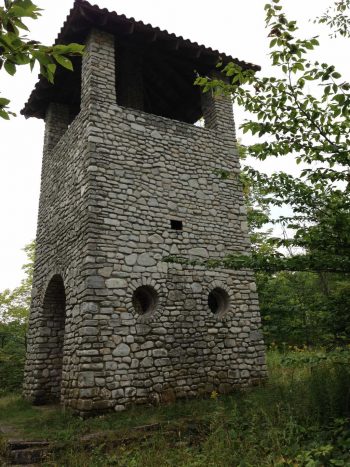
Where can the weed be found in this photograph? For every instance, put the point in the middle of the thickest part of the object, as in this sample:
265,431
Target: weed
301,417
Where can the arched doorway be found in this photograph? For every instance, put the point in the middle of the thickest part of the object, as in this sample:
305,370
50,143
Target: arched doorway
51,339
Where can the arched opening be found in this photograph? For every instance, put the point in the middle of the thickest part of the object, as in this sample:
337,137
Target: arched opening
145,299
218,301
51,338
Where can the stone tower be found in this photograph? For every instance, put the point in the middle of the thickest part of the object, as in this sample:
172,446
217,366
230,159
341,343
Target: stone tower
127,180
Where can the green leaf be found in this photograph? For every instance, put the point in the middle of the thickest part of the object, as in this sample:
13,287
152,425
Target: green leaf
76,49
10,67
52,68
20,24
24,8
340,98
63,61
42,57
4,114
21,59
4,101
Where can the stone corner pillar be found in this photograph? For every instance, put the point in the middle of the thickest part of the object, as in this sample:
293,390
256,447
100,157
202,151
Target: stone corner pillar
98,85
57,119
217,111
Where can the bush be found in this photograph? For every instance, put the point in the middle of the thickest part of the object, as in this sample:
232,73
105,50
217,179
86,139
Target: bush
12,356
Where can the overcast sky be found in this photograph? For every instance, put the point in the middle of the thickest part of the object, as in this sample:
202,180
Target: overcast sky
231,26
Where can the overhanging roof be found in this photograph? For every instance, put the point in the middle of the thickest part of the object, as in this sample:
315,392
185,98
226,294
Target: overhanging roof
185,55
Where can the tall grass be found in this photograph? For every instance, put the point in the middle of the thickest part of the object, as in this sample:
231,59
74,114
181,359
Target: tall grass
299,418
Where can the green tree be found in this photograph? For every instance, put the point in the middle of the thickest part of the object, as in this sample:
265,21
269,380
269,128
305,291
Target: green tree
16,49
314,128
14,312
303,112
304,308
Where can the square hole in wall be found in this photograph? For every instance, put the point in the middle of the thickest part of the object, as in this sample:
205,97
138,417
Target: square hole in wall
175,224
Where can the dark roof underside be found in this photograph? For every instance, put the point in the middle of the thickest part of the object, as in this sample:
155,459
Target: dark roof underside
170,64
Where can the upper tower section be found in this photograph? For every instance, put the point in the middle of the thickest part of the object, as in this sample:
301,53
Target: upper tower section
153,70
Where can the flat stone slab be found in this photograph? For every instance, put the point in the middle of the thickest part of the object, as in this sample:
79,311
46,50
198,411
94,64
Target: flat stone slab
26,452
27,456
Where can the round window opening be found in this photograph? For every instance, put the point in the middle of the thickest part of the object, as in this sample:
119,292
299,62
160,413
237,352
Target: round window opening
145,299
218,301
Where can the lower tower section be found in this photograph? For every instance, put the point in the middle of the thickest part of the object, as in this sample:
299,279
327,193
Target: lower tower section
168,340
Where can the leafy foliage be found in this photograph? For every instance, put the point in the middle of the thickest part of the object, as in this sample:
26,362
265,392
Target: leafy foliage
305,309
14,312
336,18
16,49
314,128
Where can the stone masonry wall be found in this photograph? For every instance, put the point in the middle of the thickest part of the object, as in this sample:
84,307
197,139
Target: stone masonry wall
60,246
110,188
